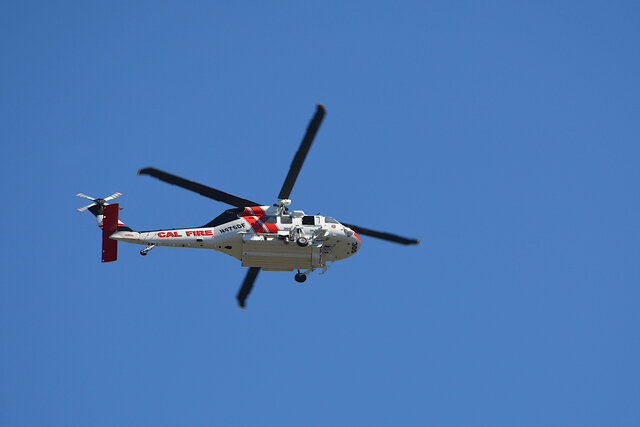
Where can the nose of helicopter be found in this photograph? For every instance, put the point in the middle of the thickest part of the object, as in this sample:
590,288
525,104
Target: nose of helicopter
353,240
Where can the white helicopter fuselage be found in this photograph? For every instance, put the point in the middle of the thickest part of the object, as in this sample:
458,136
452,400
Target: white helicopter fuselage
261,237
267,237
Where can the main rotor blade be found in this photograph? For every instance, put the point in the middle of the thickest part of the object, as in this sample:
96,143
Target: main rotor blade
298,159
244,291
209,192
382,235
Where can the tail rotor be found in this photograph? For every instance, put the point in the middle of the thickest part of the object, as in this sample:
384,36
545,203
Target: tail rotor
97,201
107,216
97,208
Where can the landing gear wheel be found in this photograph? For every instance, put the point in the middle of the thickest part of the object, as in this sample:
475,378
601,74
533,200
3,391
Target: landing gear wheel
300,277
147,249
302,241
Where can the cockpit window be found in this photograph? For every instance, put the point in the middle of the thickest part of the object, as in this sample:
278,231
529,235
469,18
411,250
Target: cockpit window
330,220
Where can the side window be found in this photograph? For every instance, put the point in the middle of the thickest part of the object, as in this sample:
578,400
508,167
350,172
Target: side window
270,219
286,219
308,220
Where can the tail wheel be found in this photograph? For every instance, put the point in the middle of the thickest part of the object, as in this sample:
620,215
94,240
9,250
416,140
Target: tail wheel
302,241
300,277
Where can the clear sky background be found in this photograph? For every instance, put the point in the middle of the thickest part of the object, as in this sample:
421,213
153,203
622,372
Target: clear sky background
502,134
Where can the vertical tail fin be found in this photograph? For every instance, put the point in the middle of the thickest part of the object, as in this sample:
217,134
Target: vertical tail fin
109,225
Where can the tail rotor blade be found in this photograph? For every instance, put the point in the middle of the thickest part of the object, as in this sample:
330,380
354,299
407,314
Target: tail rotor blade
113,196
86,207
247,285
85,196
298,159
97,201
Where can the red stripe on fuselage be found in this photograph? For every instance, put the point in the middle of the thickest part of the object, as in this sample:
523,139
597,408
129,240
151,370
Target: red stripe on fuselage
257,211
252,211
271,227
255,224
256,217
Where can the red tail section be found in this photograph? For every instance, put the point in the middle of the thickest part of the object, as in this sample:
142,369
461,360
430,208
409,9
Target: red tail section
109,225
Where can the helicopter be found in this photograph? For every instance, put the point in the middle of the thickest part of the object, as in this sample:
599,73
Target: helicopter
262,237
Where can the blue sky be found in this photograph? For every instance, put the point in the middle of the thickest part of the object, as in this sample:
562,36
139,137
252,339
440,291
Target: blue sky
502,134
